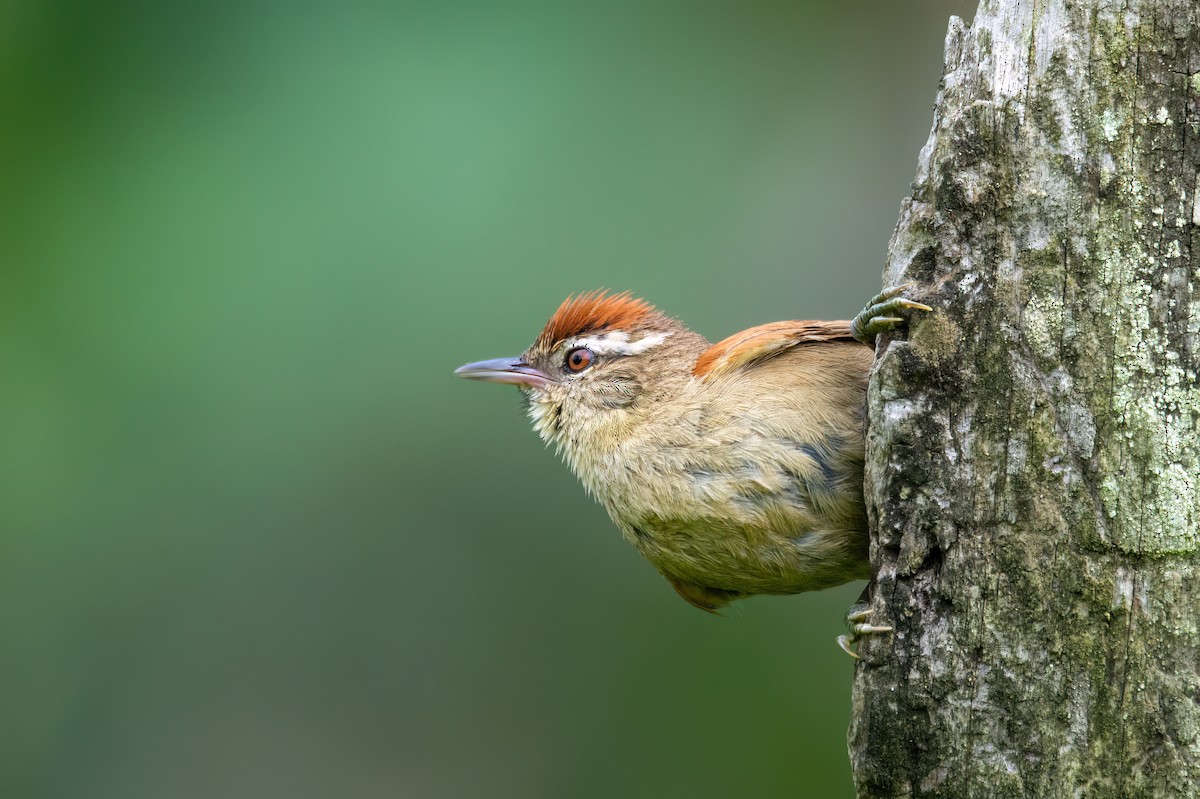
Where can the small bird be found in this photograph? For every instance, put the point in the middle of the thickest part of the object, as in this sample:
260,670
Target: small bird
735,468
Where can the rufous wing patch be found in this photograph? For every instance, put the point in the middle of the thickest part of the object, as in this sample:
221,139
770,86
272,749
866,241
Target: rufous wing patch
594,311
757,343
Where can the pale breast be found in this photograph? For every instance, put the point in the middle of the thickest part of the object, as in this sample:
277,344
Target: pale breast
749,491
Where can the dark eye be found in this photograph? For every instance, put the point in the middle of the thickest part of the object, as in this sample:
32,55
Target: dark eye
579,359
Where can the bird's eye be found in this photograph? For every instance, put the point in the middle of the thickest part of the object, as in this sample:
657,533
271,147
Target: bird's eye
579,359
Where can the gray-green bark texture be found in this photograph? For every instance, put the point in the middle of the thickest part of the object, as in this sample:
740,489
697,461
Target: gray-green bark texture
1032,477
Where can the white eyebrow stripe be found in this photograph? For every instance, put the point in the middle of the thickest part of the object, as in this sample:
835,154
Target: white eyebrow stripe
618,343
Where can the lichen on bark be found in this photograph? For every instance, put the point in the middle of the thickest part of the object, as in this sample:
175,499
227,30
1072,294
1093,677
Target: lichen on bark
1033,473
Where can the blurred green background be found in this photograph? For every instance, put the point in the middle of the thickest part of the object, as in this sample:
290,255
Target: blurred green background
255,539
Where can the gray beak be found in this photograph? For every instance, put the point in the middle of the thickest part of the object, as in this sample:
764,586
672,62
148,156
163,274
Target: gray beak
504,370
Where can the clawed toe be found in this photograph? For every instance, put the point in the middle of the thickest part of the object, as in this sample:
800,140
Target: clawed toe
883,313
856,620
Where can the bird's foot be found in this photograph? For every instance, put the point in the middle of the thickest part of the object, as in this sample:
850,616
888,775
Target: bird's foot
856,621
883,313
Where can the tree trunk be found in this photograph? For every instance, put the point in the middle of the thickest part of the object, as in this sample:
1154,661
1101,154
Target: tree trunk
1033,470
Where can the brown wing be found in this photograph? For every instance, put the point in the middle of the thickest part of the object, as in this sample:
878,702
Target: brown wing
699,596
757,343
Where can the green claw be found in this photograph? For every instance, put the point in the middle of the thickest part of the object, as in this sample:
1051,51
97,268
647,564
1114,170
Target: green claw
856,620
883,313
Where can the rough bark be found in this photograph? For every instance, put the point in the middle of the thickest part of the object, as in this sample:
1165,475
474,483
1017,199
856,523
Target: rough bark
1033,471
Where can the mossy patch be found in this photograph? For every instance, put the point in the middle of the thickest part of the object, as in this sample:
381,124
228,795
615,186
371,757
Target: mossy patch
935,339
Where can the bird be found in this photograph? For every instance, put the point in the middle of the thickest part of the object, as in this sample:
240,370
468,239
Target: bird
735,468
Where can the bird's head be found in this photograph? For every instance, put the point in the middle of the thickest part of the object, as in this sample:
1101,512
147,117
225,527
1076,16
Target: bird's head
599,366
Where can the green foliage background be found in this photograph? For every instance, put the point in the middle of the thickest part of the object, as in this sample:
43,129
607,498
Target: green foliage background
255,540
